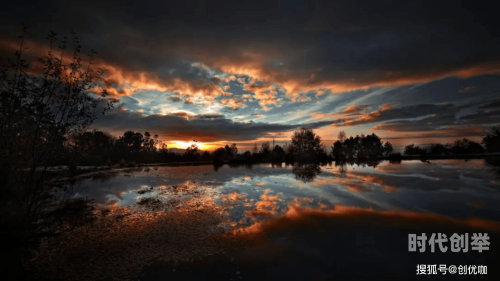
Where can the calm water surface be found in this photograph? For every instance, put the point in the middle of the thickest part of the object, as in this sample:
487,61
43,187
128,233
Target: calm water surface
455,188
333,221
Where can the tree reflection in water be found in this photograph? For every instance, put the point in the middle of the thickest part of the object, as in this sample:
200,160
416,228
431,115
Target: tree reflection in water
217,166
342,168
306,172
493,165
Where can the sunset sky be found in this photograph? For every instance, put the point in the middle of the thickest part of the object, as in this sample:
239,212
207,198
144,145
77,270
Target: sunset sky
246,71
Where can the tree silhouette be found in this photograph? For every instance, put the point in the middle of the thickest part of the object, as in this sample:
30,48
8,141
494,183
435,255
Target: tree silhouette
92,142
192,153
362,147
306,145
439,149
150,142
40,107
233,150
466,146
387,148
411,149
338,150
255,149
372,146
342,136
277,154
351,146
224,154
137,140
127,139
206,156
491,139
246,156
265,148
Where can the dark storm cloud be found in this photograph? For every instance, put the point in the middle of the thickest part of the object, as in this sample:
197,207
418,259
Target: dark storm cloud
467,90
430,120
426,124
184,126
386,112
447,122
210,116
272,47
482,118
493,104
338,45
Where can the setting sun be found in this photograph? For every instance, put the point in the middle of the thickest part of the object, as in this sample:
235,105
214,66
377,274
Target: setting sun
186,144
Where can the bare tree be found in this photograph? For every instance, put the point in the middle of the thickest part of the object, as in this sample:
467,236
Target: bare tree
265,148
38,111
342,136
255,149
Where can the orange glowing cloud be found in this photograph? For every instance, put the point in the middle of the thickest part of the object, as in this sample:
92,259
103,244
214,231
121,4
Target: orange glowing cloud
120,81
264,93
233,103
348,111
253,60
131,81
255,65
373,116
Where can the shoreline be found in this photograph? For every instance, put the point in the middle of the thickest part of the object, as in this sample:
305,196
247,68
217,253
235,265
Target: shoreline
441,157
83,169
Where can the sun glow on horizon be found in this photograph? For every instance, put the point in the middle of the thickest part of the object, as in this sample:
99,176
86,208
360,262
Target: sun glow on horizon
186,144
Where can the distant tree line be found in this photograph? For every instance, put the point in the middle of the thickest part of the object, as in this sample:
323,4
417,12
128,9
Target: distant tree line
489,144
360,147
459,147
98,148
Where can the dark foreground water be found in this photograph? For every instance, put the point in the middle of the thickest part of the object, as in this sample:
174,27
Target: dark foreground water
265,222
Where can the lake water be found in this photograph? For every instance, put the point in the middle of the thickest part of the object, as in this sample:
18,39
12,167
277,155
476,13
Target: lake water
296,222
